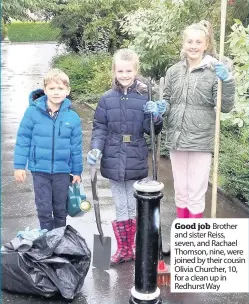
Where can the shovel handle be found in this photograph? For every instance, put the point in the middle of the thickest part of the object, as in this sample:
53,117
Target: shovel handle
158,145
218,113
96,201
98,221
152,135
94,184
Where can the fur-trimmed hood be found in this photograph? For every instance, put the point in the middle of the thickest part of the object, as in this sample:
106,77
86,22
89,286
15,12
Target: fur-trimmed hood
138,86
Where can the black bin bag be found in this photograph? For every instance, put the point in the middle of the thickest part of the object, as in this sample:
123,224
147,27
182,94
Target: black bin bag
57,263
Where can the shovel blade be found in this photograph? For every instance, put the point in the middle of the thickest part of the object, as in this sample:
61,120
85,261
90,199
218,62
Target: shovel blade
102,252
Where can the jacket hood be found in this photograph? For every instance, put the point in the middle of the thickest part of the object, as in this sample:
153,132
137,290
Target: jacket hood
139,86
35,95
210,62
206,62
38,98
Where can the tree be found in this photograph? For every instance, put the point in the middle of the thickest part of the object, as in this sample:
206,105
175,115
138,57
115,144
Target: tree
4,31
94,25
239,10
17,9
155,32
21,9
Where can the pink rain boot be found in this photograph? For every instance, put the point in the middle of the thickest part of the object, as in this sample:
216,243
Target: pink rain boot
133,223
124,252
182,212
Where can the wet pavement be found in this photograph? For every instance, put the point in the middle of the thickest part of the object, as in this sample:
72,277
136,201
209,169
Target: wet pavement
23,66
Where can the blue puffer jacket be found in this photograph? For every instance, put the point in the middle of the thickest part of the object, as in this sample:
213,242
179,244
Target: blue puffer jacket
117,115
50,146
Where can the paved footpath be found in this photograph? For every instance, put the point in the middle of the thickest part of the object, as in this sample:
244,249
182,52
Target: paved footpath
23,66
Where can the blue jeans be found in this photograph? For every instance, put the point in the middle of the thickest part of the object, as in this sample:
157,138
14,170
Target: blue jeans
51,191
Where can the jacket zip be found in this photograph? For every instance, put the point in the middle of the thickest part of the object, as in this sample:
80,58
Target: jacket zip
59,133
186,96
195,84
52,160
53,120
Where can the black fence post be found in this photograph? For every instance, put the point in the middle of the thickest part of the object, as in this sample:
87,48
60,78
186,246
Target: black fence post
148,194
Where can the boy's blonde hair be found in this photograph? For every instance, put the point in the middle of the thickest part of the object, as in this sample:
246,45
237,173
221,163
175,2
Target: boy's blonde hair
56,75
127,55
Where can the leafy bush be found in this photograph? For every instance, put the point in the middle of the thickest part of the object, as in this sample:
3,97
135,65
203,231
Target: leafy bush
31,31
239,49
79,70
234,152
102,76
88,98
234,161
90,75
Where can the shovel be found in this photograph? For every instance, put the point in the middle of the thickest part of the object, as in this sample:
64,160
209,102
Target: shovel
101,243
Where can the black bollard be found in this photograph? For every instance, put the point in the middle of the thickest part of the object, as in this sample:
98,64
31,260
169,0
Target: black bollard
148,194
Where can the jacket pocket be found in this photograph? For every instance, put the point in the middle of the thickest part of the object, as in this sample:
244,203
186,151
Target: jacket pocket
64,129
203,120
203,89
172,116
140,149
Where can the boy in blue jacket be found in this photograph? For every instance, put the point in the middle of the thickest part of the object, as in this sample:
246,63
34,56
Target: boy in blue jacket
49,138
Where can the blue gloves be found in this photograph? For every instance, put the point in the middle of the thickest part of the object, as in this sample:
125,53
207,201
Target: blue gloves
31,234
93,156
161,105
151,107
156,108
221,71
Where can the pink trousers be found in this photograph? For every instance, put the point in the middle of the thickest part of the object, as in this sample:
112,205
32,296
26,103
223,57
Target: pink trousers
191,174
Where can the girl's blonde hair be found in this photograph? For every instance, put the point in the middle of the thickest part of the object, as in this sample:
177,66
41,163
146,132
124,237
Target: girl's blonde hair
211,50
204,26
56,75
127,55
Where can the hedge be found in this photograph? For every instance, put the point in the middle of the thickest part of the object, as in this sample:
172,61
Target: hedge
234,161
31,32
90,75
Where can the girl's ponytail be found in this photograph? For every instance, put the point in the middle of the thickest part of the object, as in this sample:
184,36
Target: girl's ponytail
211,50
